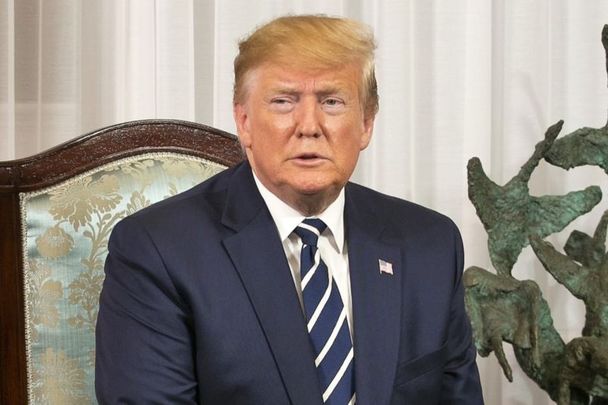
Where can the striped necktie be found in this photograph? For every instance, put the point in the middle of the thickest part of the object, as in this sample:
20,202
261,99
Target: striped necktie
326,317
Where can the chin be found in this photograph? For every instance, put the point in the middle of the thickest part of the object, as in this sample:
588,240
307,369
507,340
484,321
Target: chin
315,188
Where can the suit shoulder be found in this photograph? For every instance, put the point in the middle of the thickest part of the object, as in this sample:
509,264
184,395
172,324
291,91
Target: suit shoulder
397,210
204,200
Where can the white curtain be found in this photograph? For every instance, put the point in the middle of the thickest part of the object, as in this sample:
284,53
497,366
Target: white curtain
457,79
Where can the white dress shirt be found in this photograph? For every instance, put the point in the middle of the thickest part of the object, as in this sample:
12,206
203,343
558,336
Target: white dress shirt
332,244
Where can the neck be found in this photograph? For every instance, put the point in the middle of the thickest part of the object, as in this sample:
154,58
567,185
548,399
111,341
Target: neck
312,205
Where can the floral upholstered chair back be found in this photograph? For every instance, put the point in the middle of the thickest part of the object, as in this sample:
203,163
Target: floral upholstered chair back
66,230
64,234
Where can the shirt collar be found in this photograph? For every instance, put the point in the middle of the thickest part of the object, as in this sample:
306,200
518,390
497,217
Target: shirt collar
286,218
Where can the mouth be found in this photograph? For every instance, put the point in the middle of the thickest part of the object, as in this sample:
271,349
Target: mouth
308,159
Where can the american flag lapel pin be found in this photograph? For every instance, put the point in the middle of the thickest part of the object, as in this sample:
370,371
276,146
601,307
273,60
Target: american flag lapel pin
385,267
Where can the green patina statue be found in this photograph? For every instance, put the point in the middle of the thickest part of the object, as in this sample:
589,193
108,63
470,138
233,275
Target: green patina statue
503,308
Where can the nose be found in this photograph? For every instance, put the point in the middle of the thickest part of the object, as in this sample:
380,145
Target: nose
308,119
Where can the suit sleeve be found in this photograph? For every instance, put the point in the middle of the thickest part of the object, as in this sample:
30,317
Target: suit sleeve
461,378
144,347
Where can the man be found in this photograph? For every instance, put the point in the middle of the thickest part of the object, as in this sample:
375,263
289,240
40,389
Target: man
277,281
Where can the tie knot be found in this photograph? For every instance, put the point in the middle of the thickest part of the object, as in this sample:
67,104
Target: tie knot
309,230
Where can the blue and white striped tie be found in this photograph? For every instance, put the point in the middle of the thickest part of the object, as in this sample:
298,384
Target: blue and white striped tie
326,316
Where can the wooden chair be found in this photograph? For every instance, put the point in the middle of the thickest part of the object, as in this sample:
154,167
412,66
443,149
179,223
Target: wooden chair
57,209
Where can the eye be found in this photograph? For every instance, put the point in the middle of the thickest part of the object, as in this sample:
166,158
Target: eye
333,104
332,101
281,104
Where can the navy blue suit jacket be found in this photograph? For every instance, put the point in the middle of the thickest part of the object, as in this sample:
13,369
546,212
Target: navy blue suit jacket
199,305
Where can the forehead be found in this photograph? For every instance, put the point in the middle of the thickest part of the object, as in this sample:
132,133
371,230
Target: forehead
275,77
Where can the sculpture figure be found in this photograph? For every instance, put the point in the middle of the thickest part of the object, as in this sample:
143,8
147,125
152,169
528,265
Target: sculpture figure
505,309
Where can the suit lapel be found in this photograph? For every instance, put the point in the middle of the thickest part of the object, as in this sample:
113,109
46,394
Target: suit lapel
376,298
257,253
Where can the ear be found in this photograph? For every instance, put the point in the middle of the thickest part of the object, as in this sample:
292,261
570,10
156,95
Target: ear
368,128
241,118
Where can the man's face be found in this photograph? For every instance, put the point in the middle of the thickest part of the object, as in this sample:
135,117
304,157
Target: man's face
303,131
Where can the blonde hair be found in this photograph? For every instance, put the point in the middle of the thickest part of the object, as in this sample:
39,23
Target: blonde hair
310,42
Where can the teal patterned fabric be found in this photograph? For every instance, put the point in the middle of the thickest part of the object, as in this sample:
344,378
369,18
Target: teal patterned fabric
66,230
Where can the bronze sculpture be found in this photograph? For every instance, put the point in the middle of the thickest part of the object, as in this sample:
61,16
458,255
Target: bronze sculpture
503,308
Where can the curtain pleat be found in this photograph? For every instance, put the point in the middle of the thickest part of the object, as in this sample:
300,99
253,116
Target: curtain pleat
7,79
457,79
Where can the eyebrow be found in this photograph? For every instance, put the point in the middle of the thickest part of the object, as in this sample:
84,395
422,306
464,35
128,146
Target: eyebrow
292,91
284,90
